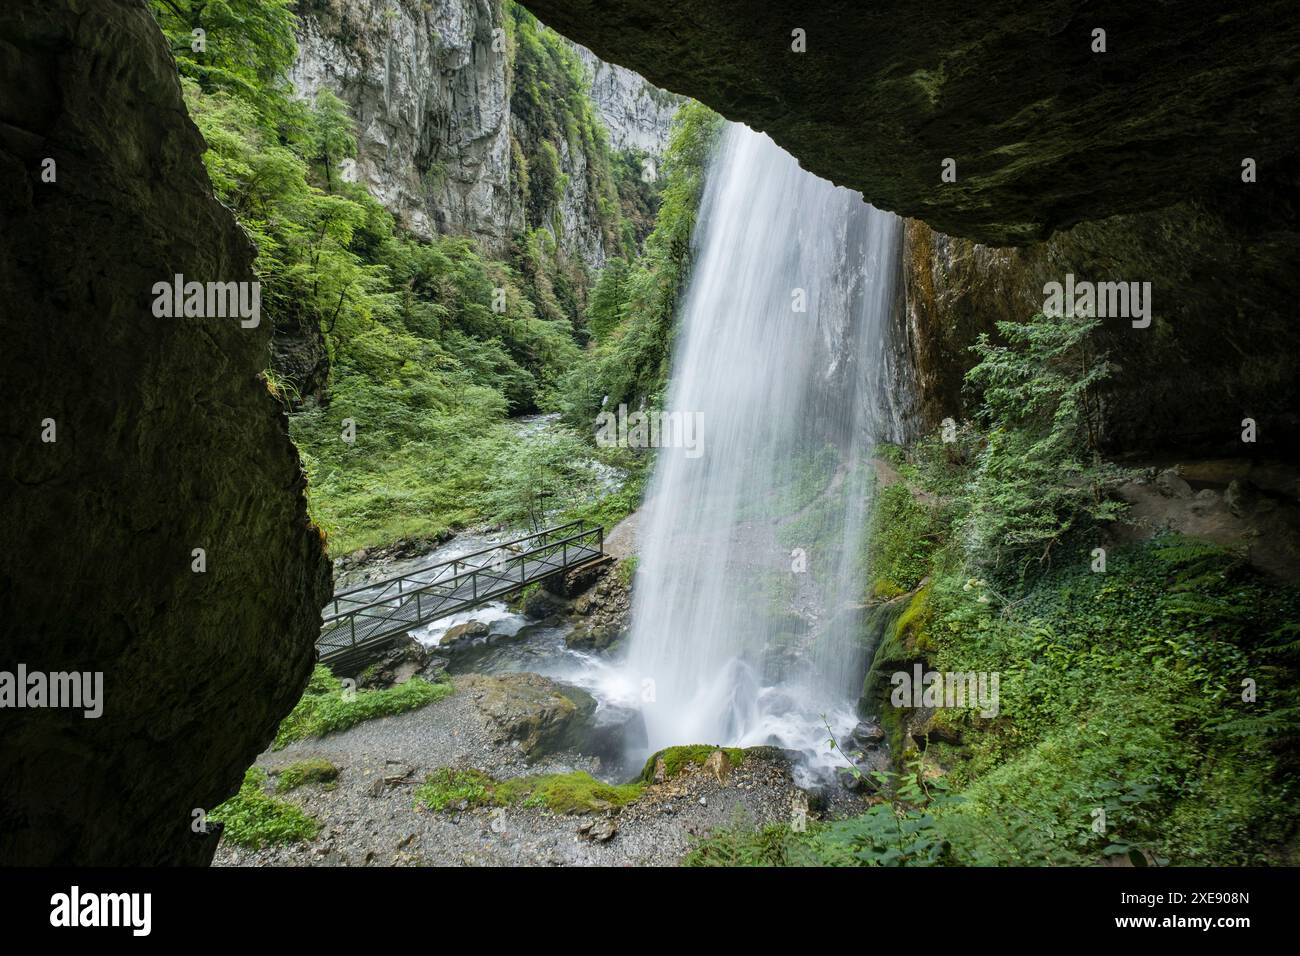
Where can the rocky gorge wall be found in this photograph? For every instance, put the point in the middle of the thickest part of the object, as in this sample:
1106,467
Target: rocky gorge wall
128,442
637,114
430,85
1219,347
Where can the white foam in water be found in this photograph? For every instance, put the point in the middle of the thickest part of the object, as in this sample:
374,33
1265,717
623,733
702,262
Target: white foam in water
779,390
430,635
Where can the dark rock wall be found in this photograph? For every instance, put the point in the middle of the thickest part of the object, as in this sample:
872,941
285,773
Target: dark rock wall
167,441
1222,344
1045,132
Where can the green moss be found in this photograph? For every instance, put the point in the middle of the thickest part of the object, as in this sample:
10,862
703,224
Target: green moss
904,534
883,589
254,819
572,793
678,758
911,629
900,632
316,770
325,708
576,792
449,787
627,570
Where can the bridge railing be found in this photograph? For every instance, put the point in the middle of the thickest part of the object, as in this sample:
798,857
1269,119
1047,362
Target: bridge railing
365,595
406,601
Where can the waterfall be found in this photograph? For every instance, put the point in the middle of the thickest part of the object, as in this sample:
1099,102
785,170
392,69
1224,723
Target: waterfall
743,626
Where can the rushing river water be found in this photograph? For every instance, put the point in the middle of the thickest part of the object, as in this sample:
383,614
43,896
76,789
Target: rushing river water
742,627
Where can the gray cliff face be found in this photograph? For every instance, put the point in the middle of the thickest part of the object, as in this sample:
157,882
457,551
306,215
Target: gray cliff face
429,84
637,114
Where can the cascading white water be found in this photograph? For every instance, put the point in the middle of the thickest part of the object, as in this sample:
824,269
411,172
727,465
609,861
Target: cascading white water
732,642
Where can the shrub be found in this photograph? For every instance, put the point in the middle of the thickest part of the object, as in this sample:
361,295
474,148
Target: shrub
1040,475
254,819
325,708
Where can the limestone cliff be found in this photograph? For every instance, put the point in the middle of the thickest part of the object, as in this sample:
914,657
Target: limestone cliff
637,114
441,142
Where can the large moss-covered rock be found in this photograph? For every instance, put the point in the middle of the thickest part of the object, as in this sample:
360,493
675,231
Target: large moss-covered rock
1045,132
166,441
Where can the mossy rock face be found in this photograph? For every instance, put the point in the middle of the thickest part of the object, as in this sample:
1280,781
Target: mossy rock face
166,441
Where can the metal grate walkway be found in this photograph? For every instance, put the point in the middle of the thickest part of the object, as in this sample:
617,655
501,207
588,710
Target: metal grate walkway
361,620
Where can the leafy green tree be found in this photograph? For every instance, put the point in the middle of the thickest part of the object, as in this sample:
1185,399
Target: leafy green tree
331,132
1040,475
605,304
245,46
536,476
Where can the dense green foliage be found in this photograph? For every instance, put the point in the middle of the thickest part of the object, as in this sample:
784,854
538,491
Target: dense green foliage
1121,690
253,818
1040,474
902,537
243,47
428,346
326,708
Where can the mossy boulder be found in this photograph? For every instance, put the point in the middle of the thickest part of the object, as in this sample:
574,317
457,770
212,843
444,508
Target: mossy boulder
313,770
669,762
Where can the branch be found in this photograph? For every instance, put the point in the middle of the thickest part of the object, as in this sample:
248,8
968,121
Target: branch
176,10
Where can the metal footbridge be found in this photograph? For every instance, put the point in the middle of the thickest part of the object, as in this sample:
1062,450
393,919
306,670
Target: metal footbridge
360,621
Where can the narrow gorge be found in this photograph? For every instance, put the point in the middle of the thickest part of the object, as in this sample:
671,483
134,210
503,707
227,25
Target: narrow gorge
657,440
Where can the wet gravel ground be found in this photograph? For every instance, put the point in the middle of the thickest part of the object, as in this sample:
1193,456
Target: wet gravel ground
369,817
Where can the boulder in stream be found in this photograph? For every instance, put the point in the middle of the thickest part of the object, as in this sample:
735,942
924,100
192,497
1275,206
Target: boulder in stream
541,715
